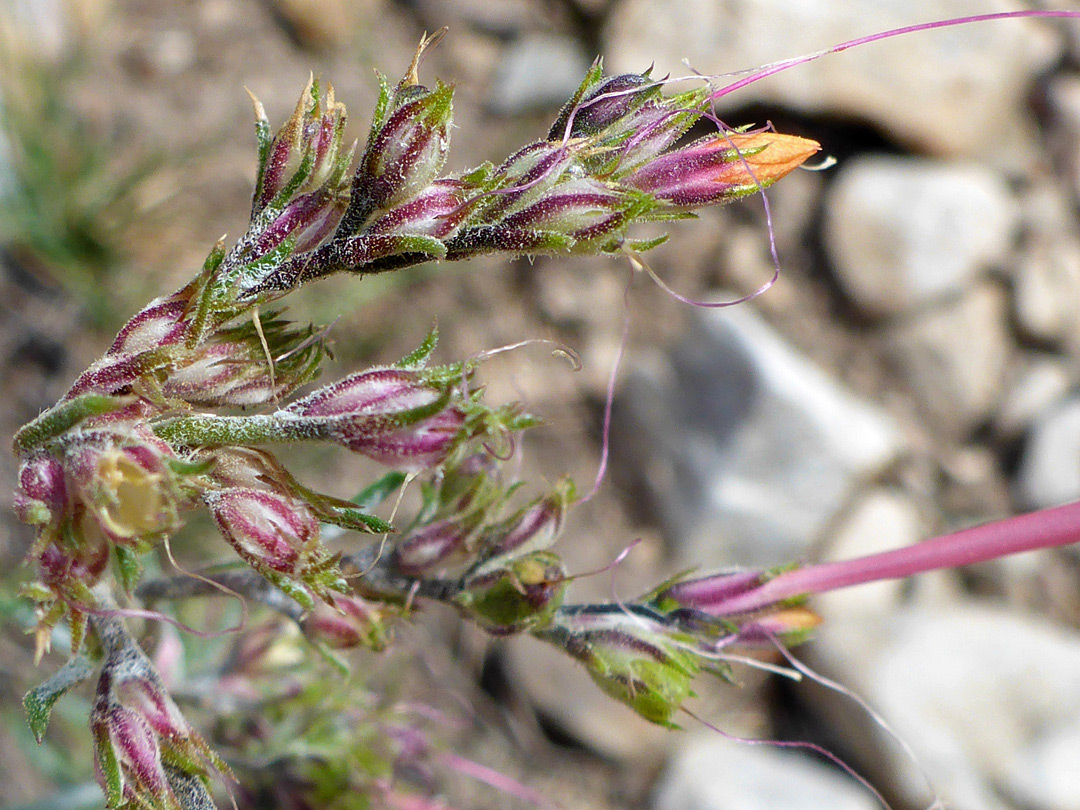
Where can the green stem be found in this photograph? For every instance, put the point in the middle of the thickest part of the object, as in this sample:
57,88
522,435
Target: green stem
203,430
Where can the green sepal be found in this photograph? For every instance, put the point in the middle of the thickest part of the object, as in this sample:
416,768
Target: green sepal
207,291
359,521
38,702
291,588
62,417
128,566
420,244
382,107
642,245
419,357
189,468
480,176
110,768
77,622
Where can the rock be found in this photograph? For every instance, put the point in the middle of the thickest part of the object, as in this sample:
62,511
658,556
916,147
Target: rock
566,696
1042,382
1063,97
987,701
1046,281
953,359
710,773
1049,472
743,449
1045,775
537,72
961,91
902,232
320,24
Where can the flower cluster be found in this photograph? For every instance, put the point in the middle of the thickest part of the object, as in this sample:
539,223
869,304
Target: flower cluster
179,414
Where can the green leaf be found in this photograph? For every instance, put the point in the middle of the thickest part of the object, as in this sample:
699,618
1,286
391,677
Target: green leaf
38,702
374,494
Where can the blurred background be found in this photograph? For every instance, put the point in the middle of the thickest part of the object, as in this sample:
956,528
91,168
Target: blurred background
914,370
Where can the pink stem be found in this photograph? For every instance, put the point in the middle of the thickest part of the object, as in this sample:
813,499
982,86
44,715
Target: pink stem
1048,528
894,32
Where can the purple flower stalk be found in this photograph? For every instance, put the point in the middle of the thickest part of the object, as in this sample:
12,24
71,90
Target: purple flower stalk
750,592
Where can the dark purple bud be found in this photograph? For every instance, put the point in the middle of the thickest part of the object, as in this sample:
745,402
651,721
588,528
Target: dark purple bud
409,150
537,526
391,415
350,622
609,102
581,209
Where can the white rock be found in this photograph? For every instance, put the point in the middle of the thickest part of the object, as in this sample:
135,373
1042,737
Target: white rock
745,449
1044,775
958,91
954,359
709,773
1041,383
985,698
537,72
905,231
1046,288
1050,468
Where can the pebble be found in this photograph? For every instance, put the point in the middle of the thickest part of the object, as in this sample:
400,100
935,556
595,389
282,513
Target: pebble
743,448
709,773
985,698
905,232
1049,473
954,358
537,72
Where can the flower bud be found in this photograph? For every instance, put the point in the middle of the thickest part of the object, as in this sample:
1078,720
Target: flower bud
278,536
511,596
309,219
391,415
606,104
306,155
270,531
580,209
231,368
161,323
437,211
350,622
535,527
42,497
142,740
127,758
409,149
429,546
632,658
720,168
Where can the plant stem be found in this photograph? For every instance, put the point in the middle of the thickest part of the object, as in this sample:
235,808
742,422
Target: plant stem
1048,528
203,430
